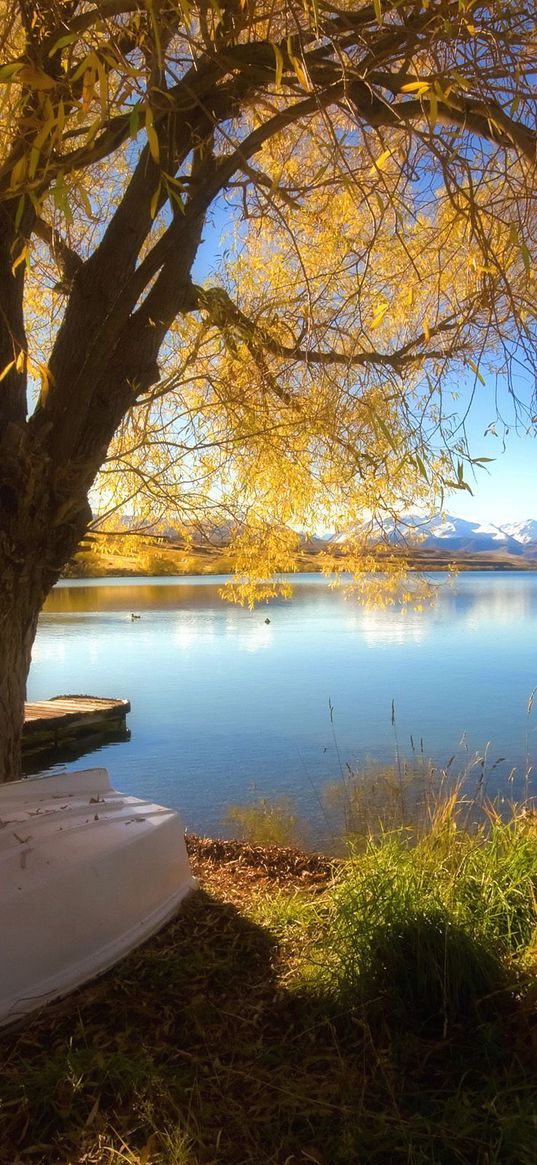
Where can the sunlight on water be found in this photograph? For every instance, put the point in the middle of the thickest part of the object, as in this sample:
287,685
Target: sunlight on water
227,706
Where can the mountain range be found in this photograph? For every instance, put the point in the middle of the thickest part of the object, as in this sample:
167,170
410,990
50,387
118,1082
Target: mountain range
445,534
450,534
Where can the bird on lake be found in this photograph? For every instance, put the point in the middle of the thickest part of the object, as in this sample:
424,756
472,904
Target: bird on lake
267,620
133,617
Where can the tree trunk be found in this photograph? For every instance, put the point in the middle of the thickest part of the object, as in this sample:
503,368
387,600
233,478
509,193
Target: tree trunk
22,598
40,528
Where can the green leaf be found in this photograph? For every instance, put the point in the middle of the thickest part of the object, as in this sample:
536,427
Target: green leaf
8,72
62,43
19,211
421,467
152,136
460,485
134,120
61,201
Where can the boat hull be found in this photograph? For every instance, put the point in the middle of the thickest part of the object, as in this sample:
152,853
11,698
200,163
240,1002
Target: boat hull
87,874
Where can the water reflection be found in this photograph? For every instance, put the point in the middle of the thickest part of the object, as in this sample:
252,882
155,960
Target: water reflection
225,703
476,598
73,750
380,628
135,595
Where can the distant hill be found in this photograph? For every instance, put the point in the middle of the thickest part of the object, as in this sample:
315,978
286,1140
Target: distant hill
450,535
427,544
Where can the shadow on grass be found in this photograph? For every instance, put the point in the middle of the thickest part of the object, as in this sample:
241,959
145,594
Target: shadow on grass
197,1051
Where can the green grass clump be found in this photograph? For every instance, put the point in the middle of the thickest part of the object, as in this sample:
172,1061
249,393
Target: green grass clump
438,932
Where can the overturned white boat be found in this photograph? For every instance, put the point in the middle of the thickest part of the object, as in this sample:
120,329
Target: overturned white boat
86,874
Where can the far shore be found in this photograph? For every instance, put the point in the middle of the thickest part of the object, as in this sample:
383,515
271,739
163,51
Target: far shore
154,560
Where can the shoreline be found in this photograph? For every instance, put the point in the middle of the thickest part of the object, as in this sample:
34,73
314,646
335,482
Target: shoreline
176,564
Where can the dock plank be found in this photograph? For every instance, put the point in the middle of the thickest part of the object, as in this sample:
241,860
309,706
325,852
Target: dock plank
52,720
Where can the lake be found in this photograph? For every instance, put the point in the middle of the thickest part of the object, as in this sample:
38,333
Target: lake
231,705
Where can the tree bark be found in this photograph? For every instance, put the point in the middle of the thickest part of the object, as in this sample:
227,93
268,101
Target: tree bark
22,597
42,519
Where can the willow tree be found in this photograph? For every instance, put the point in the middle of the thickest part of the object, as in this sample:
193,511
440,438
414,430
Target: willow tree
377,162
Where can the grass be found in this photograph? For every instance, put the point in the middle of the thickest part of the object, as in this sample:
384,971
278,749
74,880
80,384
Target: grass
267,821
438,932
379,1010
378,798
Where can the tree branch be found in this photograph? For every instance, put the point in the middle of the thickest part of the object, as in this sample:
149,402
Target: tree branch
223,313
68,261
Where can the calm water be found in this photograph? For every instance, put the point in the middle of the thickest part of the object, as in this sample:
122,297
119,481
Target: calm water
227,708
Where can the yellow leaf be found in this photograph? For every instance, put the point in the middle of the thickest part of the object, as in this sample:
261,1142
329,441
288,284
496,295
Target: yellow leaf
44,132
46,378
103,88
19,171
152,136
35,78
34,158
380,312
297,65
7,369
433,109
279,65
89,62
88,88
380,163
21,258
416,87
475,369
152,139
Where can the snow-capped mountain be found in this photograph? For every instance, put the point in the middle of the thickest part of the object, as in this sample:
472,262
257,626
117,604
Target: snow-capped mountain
448,533
525,532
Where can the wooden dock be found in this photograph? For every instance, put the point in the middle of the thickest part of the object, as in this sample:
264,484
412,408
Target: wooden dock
57,723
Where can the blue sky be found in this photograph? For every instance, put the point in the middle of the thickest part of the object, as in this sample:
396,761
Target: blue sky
506,489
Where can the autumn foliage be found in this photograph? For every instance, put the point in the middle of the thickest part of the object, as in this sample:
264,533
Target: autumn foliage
371,171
